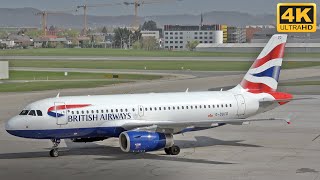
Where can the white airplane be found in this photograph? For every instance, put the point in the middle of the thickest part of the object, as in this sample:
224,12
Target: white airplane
147,122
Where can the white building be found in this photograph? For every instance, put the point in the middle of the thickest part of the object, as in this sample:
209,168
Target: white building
4,70
177,37
154,34
8,43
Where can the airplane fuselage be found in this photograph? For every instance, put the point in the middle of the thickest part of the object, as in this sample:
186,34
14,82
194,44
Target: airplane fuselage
85,116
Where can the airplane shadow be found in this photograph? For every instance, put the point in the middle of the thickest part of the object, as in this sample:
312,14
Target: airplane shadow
114,153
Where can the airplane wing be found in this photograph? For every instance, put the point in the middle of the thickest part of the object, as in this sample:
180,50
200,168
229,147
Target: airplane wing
175,127
286,100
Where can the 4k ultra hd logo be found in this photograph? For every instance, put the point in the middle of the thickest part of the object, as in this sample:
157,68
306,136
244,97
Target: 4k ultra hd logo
296,17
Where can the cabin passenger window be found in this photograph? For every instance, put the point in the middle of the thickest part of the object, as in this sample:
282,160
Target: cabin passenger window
146,109
159,108
82,112
173,108
200,107
150,109
77,112
32,113
182,107
208,106
24,112
97,111
204,106
226,105
212,106
116,110
72,112
195,107
133,109
222,105
155,108
187,107
168,108
121,110
111,110
101,111
178,107
107,111
191,107
88,112
39,113
140,109
230,105
217,106
126,110
164,108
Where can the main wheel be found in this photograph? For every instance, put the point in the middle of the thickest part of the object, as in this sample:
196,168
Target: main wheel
54,153
167,150
175,150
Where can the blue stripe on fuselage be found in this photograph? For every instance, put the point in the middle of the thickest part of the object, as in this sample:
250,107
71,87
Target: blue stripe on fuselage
68,133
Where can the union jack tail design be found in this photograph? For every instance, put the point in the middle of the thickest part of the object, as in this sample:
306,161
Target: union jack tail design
264,73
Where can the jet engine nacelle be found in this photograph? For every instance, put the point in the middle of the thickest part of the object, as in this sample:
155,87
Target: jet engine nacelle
143,141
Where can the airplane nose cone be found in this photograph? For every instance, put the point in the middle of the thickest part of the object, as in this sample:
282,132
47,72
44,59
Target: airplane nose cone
12,125
8,125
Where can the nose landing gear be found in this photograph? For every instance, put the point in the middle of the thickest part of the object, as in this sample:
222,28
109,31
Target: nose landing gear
54,151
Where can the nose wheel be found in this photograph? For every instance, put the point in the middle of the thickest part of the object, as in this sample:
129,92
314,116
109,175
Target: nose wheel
54,152
173,150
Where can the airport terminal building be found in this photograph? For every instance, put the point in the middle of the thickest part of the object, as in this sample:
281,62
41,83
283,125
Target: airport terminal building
176,37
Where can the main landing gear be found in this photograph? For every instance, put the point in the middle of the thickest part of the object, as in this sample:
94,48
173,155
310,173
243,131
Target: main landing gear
54,151
173,150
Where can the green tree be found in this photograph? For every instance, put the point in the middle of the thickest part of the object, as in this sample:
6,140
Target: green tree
3,34
104,30
191,45
149,26
33,33
149,43
137,45
124,36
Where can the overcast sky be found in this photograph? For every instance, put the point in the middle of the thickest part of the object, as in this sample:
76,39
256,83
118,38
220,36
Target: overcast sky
164,7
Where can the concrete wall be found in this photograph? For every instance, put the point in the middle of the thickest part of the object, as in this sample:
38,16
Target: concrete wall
4,70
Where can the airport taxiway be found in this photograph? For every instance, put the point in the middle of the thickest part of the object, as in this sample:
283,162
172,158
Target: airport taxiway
261,150
133,58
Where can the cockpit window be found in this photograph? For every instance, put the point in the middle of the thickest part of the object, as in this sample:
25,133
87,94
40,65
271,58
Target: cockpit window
39,113
32,113
24,112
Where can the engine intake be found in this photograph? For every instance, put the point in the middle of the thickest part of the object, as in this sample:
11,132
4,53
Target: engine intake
143,141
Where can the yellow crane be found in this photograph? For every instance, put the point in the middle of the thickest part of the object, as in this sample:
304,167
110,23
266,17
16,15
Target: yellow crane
137,4
44,17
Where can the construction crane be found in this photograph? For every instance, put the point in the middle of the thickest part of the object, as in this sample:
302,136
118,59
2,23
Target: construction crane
44,16
85,8
137,4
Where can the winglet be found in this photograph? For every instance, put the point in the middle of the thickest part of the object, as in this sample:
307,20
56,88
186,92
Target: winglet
58,95
288,120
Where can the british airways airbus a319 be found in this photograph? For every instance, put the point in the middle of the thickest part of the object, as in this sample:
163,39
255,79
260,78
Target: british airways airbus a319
147,122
